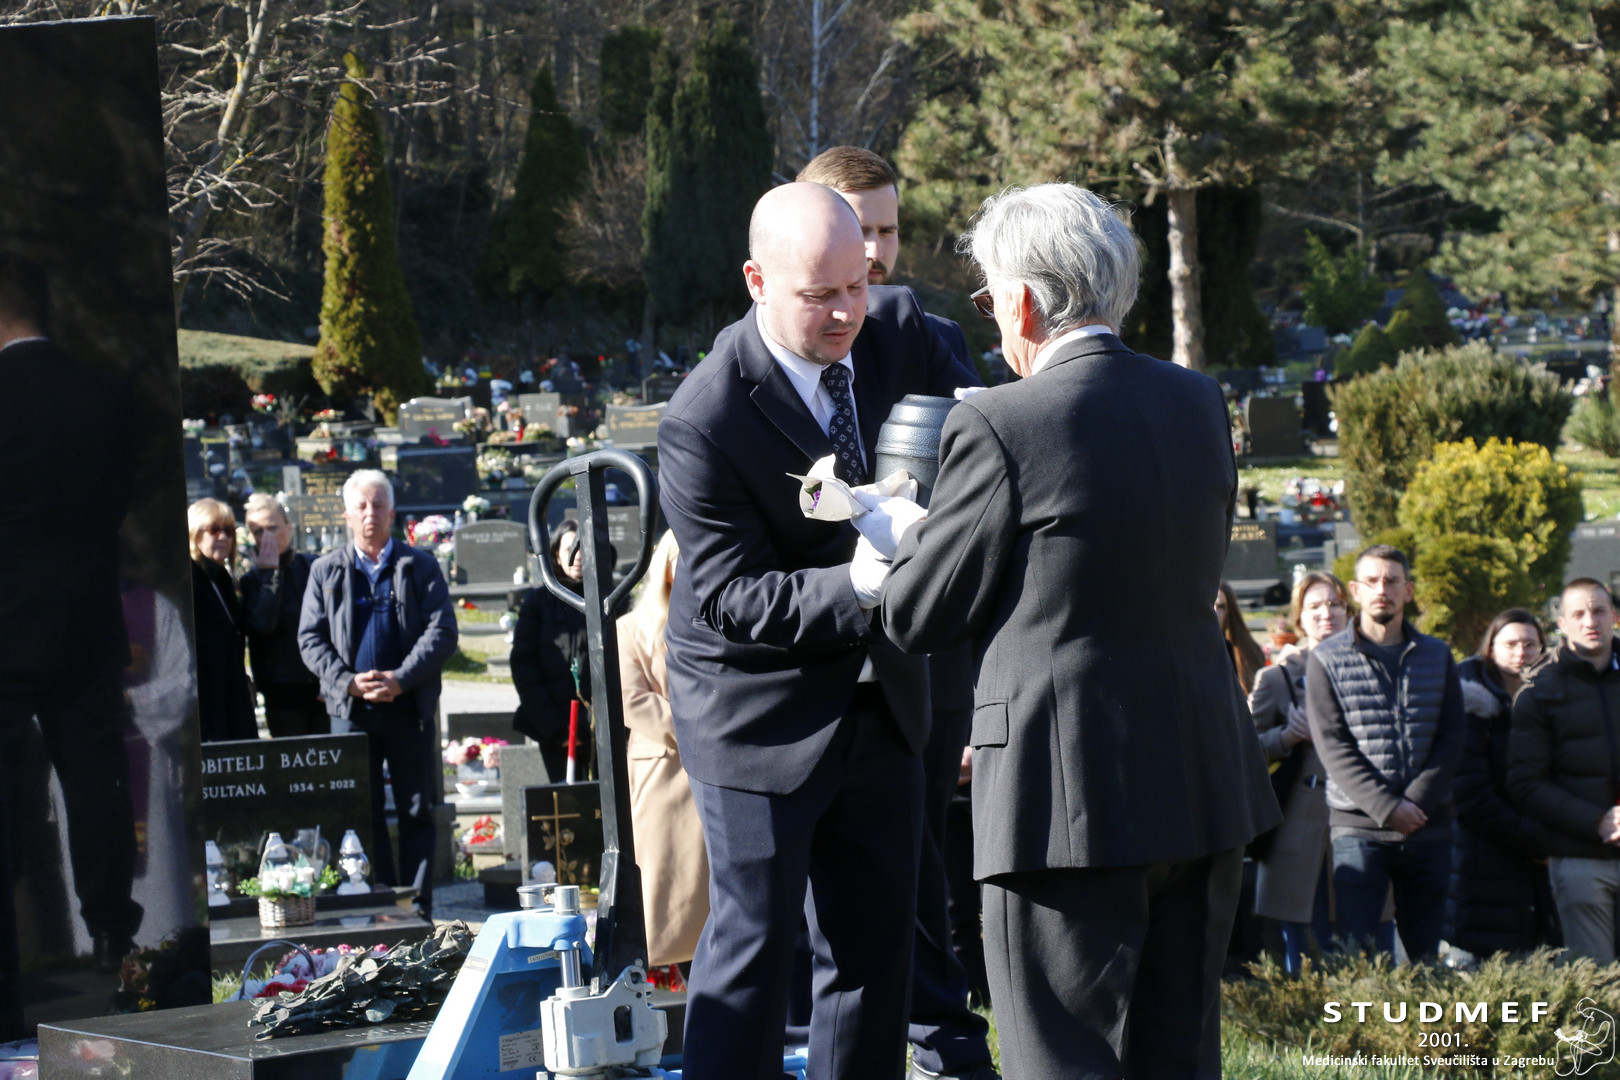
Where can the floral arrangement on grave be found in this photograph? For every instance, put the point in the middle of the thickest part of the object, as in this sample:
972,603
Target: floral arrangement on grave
494,465
326,415
475,504
624,397
484,752
431,531
482,835
468,427
1313,501
264,403
295,881
299,968
537,433
193,427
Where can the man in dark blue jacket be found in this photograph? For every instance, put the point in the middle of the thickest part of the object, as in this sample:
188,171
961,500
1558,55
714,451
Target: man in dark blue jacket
376,628
799,725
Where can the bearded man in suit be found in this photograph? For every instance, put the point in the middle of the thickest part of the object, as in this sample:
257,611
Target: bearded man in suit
1076,535
799,724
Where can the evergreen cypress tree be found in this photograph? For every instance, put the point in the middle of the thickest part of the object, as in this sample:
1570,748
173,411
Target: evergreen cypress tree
1370,351
709,161
627,79
525,255
369,340
1423,305
1404,332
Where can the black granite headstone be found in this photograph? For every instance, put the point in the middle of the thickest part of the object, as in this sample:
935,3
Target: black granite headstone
659,388
327,479
1274,426
421,417
1252,556
434,477
632,427
254,786
563,826
317,522
490,552
1594,552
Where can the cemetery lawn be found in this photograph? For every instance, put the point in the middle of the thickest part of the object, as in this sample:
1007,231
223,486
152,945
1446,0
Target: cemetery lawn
1600,481
249,355
1271,479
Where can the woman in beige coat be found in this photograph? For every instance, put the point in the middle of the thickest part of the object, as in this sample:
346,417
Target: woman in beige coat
669,840
1291,885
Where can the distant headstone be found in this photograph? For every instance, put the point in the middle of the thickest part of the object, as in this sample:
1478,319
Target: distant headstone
540,409
199,484
1317,408
421,417
624,527
317,522
521,768
1274,426
490,552
254,786
632,427
1252,556
434,477
563,826
327,480
1595,553
659,388
484,725
292,480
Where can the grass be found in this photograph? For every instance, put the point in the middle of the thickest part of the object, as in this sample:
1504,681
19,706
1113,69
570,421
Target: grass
1271,479
1600,481
461,666
202,347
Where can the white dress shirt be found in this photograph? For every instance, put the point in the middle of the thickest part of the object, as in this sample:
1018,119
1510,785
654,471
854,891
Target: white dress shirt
805,375
1047,351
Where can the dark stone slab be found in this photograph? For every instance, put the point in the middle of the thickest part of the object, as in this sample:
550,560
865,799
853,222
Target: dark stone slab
254,786
327,479
481,725
422,417
317,522
1274,426
659,388
490,552
631,427
215,1042
434,477
1252,556
1594,552
563,826
232,941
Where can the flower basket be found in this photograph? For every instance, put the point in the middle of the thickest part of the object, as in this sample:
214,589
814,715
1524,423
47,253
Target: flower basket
287,911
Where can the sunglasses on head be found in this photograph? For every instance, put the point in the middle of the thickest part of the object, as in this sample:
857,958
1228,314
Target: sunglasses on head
984,302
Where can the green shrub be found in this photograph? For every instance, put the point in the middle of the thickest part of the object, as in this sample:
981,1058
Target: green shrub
1371,351
1339,292
1425,312
221,372
1463,580
1502,490
1288,1012
1390,420
1404,334
1595,424
1344,567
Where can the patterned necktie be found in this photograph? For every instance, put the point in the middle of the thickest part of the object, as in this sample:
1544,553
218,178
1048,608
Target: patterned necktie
849,468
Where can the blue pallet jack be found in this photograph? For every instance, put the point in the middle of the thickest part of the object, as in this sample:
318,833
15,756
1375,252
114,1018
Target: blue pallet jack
533,1001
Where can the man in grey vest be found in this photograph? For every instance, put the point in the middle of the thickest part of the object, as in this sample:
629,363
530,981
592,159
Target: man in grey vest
1386,714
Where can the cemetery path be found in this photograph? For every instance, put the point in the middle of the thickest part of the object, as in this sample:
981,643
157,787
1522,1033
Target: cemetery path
477,697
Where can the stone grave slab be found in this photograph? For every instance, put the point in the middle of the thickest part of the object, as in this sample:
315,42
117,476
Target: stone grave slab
434,477
659,388
631,427
421,417
479,725
1252,556
317,522
292,480
540,408
254,786
1594,552
521,768
624,528
1274,426
490,552
562,825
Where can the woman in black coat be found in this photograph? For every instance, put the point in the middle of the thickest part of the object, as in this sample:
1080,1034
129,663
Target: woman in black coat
1500,899
224,698
548,639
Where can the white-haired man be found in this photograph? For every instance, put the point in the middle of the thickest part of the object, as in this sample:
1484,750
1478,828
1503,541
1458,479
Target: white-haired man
1076,536
376,628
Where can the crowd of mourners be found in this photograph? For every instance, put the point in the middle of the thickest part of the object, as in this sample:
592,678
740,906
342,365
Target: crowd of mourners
1469,803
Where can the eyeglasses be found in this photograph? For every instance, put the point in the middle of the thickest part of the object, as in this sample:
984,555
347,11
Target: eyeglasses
220,530
984,302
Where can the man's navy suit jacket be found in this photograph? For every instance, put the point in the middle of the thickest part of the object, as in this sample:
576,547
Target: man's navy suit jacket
766,639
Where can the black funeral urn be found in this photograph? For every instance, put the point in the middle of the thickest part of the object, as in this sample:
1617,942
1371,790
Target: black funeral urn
909,440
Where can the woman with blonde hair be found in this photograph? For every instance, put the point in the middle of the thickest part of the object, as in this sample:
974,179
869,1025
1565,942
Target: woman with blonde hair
669,839
1291,883
224,698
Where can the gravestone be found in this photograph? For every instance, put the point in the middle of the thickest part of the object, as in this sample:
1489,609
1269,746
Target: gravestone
490,552
292,480
199,485
434,477
521,768
1252,556
1274,426
540,408
254,786
1317,408
317,522
326,480
624,527
563,826
659,388
1594,552
1346,540
421,417
633,427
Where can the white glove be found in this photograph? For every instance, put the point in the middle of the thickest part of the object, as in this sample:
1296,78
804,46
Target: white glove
965,392
867,573
886,520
